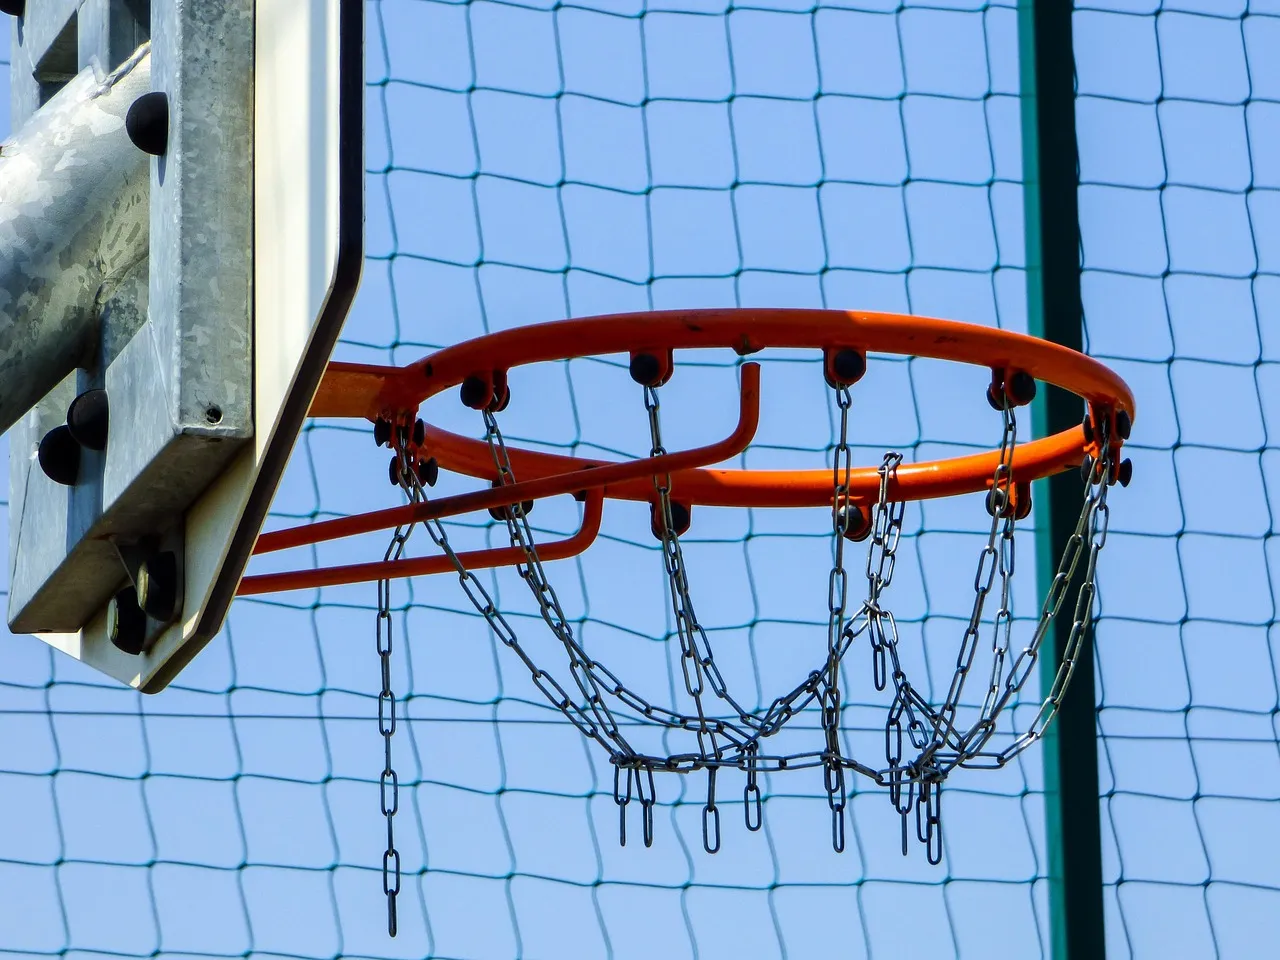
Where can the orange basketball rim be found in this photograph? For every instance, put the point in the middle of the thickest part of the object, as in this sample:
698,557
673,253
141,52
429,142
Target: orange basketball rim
390,397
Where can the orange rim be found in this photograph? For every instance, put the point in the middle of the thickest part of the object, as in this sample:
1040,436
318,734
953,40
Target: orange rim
357,390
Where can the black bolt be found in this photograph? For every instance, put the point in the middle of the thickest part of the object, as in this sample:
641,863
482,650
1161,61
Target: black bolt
680,519
59,456
857,522
1023,507
1022,388
147,123
12,7
1086,470
1125,473
848,366
88,417
500,399
645,369
428,472
997,502
500,514
475,393
393,471
381,432
126,622
1124,425
157,586
995,397
419,433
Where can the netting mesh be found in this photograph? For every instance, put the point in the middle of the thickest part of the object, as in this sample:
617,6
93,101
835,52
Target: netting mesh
1180,161
527,164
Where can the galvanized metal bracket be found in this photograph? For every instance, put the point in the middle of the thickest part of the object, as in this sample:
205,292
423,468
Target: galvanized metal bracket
158,308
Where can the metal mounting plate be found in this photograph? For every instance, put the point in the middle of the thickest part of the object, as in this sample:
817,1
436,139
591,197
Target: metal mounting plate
295,106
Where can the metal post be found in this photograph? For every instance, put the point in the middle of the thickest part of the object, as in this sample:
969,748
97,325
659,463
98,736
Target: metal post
1055,312
74,221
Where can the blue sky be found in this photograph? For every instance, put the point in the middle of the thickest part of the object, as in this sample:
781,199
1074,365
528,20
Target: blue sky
526,165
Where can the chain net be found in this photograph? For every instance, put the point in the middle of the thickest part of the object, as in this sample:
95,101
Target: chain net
528,163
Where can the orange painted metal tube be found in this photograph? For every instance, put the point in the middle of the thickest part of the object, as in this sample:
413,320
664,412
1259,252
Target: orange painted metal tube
777,488
425,566
369,391
588,476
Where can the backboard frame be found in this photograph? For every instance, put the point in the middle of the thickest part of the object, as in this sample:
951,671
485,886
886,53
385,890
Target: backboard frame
348,265
321,268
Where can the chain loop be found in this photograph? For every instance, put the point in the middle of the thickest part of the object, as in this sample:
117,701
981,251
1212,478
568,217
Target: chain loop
386,696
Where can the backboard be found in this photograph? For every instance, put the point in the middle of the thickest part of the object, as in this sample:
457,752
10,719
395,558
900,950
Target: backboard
247,278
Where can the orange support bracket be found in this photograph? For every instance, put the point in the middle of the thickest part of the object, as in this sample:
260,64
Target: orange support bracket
574,481
425,566
589,480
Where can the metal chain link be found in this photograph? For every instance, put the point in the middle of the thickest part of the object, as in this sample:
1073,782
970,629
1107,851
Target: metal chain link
695,665
386,696
842,513
927,769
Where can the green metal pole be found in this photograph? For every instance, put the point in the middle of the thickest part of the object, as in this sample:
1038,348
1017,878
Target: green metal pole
1055,312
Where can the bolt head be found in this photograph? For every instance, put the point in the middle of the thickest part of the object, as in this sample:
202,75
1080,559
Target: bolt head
147,123
59,456
88,418
475,393
157,586
501,399
428,472
848,366
645,369
1125,472
1022,388
997,502
126,622
680,519
857,522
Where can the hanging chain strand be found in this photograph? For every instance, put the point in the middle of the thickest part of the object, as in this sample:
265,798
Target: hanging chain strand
995,558
693,664
843,511
390,780
531,571
917,784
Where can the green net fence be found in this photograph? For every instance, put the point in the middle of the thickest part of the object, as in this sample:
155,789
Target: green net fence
529,162
1179,162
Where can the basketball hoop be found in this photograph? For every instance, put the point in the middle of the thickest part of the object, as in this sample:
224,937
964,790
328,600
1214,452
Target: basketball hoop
924,742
